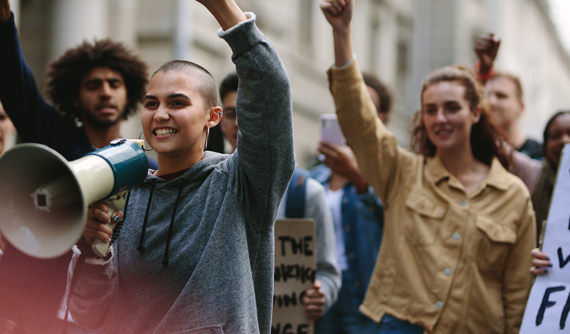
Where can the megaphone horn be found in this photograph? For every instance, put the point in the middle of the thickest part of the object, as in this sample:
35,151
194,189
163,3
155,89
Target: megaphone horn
44,198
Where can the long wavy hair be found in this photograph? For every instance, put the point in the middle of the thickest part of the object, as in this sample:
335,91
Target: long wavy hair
487,141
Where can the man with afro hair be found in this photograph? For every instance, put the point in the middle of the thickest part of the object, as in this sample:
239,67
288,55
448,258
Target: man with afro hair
93,87
97,84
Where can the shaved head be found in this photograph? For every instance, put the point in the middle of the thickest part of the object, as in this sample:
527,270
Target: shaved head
207,85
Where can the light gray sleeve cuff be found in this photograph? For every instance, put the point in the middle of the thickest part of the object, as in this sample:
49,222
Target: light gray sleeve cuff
250,18
91,260
243,36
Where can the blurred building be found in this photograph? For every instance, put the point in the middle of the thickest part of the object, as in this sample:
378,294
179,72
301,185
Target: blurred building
400,40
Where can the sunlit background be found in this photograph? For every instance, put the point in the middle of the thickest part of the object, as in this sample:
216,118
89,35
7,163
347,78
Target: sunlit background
400,40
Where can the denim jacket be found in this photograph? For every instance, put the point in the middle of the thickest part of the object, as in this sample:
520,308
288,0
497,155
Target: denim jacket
363,224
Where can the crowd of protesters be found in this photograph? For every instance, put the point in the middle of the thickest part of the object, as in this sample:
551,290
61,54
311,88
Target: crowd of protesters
436,238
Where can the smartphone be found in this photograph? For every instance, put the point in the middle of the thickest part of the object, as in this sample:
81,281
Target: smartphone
330,130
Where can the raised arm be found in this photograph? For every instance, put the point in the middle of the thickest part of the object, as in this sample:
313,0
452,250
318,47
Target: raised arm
19,94
5,11
486,48
264,106
339,14
227,13
378,155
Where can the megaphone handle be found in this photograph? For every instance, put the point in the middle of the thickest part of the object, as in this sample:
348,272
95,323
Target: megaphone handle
114,203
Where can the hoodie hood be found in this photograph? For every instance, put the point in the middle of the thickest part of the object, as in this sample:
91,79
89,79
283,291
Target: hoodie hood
197,173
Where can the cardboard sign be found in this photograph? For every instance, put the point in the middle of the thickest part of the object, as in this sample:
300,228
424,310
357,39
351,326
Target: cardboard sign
295,270
549,302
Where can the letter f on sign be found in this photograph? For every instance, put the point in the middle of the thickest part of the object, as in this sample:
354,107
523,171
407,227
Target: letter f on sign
547,303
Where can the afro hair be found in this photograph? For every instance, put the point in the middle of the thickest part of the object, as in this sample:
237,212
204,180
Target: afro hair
65,74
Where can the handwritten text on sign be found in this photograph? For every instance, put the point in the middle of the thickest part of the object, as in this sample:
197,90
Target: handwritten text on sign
295,270
549,302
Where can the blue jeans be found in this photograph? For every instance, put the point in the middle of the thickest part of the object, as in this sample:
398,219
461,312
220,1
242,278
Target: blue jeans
391,325
344,317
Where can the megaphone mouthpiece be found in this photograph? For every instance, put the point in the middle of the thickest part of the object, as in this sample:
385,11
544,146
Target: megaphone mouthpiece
55,194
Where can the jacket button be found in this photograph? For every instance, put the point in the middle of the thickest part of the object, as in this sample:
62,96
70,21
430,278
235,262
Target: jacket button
456,236
447,271
464,203
438,304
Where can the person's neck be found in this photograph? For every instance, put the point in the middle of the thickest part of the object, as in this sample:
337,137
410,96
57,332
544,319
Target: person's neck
168,164
462,164
515,136
336,181
102,137
458,162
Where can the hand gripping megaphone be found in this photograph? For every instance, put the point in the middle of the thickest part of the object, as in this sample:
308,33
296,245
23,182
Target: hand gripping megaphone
44,198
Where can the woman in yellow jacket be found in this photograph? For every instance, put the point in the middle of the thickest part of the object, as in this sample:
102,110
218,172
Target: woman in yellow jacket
458,227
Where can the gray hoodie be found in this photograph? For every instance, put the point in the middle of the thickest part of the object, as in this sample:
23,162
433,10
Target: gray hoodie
195,254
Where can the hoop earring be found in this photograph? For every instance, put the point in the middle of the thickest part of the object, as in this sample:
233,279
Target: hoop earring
207,136
145,149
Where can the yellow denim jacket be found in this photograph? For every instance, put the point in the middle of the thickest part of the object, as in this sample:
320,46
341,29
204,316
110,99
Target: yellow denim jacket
450,262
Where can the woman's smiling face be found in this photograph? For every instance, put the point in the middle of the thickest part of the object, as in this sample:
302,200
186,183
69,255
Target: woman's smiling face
447,116
174,117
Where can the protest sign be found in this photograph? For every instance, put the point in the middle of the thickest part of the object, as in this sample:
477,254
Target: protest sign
549,302
295,270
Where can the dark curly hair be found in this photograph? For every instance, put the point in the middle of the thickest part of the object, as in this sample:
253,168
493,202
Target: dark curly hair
487,141
65,74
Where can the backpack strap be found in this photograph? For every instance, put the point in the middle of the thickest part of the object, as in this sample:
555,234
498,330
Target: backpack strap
296,194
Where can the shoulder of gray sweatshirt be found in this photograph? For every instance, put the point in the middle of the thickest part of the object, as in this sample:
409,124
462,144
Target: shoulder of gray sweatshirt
196,254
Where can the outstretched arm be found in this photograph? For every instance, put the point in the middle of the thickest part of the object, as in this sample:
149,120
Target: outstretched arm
378,155
339,14
486,48
226,12
264,156
5,10
34,119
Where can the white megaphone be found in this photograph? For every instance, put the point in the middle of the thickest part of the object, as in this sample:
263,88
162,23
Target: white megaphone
44,198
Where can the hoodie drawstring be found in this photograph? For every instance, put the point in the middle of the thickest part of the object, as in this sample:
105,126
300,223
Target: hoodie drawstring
140,248
165,261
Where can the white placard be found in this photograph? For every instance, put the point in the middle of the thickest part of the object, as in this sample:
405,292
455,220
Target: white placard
549,302
295,270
